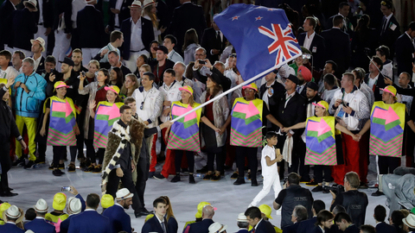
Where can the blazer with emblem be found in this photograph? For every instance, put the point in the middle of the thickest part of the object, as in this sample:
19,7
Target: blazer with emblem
209,42
264,227
147,35
89,221
123,15
41,66
47,13
337,48
24,29
292,113
404,49
6,12
120,221
153,225
90,26
379,84
389,36
40,225
317,48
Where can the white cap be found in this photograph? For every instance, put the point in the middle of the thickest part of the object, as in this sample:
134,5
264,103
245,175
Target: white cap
13,212
31,2
41,206
409,221
74,205
217,227
242,218
136,3
147,3
123,194
41,42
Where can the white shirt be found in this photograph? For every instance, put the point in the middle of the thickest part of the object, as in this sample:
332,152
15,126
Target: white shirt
9,73
40,7
37,62
372,81
136,43
268,170
77,5
118,5
265,95
308,40
169,93
152,105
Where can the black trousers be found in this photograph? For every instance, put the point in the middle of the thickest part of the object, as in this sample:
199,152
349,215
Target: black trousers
80,138
178,154
90,151
143,167
298,160
211,155
250,152
6,164
59,153
100,155
127,182
318,173
388,164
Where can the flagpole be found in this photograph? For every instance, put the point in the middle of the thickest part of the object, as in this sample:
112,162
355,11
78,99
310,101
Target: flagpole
228,91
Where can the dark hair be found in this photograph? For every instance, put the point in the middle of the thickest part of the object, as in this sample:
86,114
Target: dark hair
189,70
145,58
150,76
244,225
337,20
77,51
253,212
171,38
312,21
6,53
21,54
106,73
383,50
318,205
411,26
339,209
330,80
322,216
340,216
120,76
170,71
380,213
92,200
124,107
159,200
343,4
113,52
378,61
293,178
300,212
190,38
333,64
50,59
115,35
367,229
387,3
129,100
397,217
271,134
363,23
30,214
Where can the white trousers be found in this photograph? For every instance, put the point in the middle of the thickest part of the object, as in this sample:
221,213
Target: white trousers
272,180
88,54
131,63
62,45
41,30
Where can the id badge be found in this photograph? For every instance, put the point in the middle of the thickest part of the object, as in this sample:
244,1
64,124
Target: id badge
314,50
341,113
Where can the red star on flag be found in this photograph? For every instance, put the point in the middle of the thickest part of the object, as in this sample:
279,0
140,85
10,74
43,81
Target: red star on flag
235,18
258,18
271,9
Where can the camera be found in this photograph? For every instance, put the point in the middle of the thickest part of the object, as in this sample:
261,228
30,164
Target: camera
335,189
202,62
66,188
83,73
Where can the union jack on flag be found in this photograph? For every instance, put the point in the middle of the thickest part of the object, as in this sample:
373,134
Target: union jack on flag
262,38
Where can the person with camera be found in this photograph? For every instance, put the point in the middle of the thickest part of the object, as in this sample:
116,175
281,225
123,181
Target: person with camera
354,202
292,196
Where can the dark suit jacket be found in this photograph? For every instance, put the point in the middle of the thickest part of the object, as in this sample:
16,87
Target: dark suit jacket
6,12
275,99
292,114
123,15
210,42
291,228
318,58
269,3
404,50
147,35
88,222
65,224
47,13
380,84
186,16
153,225
200,227
389,37
41,66
24,28
172,225
306,225
40,225
119,220
316,229
337,48
90,26
153,63
352,229
62,6
10,228
264,227
346,28
385,228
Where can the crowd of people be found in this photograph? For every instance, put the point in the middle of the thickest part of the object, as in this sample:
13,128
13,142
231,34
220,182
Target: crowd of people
70,80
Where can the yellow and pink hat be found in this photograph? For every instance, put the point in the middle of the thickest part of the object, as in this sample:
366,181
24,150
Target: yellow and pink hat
389,89
114,89
60,84
322,104
187,89
251,86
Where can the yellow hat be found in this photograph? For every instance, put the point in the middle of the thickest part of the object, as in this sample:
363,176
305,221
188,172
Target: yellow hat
266,209
390,89
200,208
3,207
59,201
148,217
4,81
187,88
107,201
60,84
113,89
251,86
322,104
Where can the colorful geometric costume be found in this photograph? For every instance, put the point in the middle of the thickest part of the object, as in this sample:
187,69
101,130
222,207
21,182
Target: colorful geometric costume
105,116
62,122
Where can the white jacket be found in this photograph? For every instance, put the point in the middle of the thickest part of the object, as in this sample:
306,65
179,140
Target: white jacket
152,105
